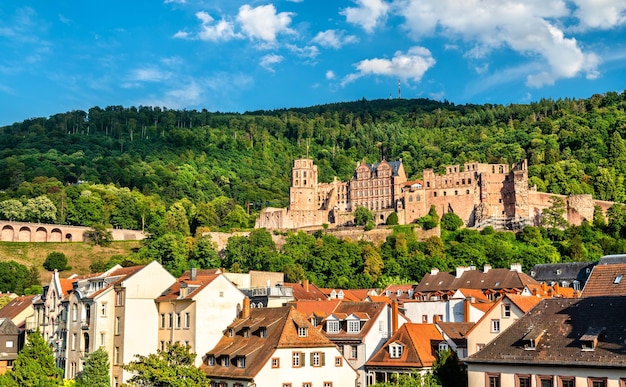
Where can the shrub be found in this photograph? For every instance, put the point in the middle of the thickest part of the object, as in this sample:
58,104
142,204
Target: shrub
451,221
55,261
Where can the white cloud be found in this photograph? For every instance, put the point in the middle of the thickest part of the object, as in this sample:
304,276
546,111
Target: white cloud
149,75
334,39
174,1
211,31
268,61
304,52
263,22
600,14
411,65
529,27
330,74
368,13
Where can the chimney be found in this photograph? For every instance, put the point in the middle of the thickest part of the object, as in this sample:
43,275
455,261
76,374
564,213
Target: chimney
466,310
394,316
544,287
516,267
194,274
486,268
306,285
245,312
460,270
434,271
435,319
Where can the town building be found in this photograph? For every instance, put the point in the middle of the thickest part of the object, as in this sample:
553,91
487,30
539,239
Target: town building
559,342
606,280
9,337
196,309
412,349
480,194
566,274
276,347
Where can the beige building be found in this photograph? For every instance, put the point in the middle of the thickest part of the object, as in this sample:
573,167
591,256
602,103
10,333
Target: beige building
196,309
560,342
276,347
502,314
481,194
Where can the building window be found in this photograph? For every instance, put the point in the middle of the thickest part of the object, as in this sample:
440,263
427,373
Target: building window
443,346
117,325
241,362
162,320
493,380
210,360
567,381
74,342
522,380
103,336
170,320
187,320
479,347
116,356
354,326
302,332
332,326
338,361
286,384
9,344
328,384
506,310
424,319
354,353
275,362
103,309
178,321
226,361
297,359
119,298
395,350
262,332
74,312
545,381
495,326
162,345
597,382
306,384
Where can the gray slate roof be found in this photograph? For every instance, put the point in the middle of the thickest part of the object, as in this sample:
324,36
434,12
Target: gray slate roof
567,271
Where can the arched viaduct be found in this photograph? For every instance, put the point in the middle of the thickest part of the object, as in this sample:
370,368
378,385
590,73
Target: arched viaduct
40,232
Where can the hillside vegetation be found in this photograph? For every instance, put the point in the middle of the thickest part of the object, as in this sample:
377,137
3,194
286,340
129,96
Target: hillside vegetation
175,172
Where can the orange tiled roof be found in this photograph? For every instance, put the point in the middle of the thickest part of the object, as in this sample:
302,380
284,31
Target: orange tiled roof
525,303
476,293
306,291
418,351
367,311
318,308
202,280
16,306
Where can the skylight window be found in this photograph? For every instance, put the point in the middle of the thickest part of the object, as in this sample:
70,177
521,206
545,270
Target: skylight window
618,279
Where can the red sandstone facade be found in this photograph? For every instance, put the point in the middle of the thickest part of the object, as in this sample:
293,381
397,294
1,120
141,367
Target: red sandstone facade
481,194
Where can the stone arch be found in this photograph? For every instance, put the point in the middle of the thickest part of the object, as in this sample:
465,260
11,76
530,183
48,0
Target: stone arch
68,237
56,235
41,234
24,234
8,233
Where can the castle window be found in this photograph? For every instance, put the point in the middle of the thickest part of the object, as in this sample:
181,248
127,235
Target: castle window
469,181
445,193
434,194
467,191
456,192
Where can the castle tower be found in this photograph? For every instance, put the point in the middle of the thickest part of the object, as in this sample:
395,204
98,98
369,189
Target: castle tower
303,191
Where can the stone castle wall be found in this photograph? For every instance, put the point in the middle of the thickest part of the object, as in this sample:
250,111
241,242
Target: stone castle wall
477,193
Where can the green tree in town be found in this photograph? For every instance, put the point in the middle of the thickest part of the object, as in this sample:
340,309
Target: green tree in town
34,365
392,219
451,221
362,215
449,370
553,216
171,367
55,261
429,221
411,380
95,371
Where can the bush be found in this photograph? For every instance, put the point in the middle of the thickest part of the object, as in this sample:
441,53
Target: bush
451,221
55,261
392,219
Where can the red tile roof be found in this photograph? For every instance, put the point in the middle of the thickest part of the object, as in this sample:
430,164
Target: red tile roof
194,287
17,306
306,291
418,352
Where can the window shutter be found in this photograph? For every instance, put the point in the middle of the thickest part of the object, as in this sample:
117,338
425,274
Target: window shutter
311,358
323,358
302,359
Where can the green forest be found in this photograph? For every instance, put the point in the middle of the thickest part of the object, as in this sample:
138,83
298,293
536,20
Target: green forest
177,173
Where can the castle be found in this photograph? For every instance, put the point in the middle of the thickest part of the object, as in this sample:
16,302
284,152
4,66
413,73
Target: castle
480,194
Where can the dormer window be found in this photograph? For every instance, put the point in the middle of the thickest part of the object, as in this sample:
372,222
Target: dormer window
354,326
241,362
225,361
532,338
558,272
332,326
263,332
589,340
395,350
399,292
231,332
303,332
210,360
246,332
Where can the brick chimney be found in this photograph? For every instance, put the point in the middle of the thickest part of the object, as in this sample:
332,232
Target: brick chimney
306,285
394,316
193,274
466,310
245,312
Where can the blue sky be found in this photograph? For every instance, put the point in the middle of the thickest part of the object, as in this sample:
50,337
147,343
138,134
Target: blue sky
236,56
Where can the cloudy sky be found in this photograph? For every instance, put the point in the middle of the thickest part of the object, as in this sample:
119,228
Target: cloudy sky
236,56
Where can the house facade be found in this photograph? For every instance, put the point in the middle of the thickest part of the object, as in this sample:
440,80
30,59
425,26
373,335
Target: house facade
196,309
560,342
276,347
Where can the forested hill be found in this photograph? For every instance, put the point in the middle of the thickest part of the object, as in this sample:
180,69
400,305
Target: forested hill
572,145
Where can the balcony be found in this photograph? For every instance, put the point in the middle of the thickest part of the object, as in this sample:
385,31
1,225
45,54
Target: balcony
84,325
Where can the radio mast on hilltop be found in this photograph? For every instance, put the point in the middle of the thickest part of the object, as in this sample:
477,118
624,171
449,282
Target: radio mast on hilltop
399,95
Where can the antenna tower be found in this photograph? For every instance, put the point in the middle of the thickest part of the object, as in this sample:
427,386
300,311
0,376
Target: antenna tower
399,95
